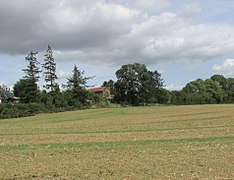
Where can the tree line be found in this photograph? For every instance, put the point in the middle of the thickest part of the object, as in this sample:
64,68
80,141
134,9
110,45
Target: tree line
135,85
214,90
51,98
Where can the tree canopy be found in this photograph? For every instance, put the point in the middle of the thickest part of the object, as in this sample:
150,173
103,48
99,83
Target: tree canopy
136,84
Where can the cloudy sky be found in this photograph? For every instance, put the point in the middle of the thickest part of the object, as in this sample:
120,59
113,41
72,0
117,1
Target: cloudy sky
182,39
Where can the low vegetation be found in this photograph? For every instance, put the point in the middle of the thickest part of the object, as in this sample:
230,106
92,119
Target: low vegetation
157,142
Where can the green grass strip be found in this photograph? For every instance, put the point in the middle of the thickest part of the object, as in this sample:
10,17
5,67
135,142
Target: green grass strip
112,144
191,114
184,120
120,131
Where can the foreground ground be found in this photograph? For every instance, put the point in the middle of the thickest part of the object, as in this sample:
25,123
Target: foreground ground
174,142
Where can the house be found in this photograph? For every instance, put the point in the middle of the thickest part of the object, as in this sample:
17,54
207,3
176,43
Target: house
14,100
103,91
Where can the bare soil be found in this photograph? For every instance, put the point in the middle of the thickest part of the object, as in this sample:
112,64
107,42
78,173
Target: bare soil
161,142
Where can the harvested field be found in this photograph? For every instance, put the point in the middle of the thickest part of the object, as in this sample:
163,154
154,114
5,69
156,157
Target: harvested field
161,142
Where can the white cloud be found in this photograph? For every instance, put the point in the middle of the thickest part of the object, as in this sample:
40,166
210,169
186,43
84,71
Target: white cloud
227,68
190,9
6,84
67,17
2,83
64,74
169,37
174,87
149,6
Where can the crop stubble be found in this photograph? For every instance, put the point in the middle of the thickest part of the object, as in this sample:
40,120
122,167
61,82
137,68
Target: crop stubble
177,142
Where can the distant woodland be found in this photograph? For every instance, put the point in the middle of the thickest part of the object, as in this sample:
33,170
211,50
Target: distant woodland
135,86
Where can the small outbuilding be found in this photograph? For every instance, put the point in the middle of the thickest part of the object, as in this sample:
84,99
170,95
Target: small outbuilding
102,91
14,100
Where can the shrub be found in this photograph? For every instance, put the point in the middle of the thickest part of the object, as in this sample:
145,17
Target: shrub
20,110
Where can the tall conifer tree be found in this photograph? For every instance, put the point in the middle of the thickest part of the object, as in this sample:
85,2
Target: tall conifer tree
77,79
31,78
50,71
33,70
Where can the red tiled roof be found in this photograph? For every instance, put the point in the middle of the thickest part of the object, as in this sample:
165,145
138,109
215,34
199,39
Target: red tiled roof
15,98
98,89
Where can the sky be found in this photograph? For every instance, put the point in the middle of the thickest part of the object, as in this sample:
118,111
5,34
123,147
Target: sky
182,39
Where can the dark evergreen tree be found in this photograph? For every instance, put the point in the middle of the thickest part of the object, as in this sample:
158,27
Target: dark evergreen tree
32,72
76,95
50,71
27,90
31,77
19,88
77,79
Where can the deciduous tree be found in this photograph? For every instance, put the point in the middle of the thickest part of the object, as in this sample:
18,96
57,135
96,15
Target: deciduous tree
136,84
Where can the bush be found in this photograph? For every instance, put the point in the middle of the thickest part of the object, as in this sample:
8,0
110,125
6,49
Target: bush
20,110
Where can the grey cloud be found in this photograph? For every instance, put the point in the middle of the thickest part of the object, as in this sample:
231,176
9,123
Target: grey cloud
114,33
61,24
